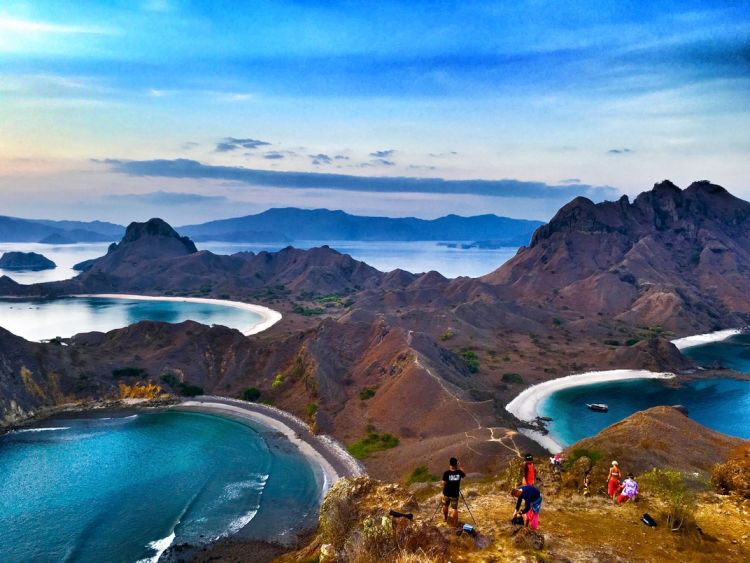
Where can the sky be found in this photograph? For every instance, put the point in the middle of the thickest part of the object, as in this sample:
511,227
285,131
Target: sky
195,110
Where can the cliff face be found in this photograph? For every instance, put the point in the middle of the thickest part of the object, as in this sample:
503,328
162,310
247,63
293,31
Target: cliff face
675,258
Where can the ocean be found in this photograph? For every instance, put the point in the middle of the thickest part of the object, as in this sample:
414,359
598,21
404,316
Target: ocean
124,486
722,404
420,256
42,319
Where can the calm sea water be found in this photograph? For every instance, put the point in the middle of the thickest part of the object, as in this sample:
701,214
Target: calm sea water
123,488
720,404
47,318
385,256
65,256
732,353
419,256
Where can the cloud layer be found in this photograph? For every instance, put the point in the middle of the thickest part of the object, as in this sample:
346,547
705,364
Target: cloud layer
185,168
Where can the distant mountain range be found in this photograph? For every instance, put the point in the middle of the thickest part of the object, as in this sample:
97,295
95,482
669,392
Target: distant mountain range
13,229
289,224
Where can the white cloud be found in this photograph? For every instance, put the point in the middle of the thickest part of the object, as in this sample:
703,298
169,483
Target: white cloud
29,26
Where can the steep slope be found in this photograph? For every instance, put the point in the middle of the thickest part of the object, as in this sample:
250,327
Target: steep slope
675,258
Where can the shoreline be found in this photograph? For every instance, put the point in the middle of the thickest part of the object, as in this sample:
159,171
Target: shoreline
525,406
269,317
707,338
322,452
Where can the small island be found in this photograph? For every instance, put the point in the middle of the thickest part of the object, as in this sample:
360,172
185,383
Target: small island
25,261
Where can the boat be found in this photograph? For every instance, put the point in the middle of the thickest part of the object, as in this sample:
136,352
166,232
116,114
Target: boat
598,407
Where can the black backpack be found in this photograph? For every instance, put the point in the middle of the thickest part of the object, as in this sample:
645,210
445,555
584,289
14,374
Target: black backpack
648,520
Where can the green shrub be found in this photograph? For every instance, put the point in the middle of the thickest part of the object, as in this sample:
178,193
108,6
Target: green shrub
612,342
632,341
669,485
277,381
308,311
367,393
471,359
311,409
372,443
512,378
447,335
420,475
170,378
251,394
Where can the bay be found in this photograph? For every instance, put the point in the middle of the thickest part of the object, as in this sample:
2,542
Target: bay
122,487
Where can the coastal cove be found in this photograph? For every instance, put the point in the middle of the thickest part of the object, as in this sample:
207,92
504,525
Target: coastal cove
40,319
125,486
720,403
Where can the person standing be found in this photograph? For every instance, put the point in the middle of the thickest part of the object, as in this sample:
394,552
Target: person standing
528,472
452,489
613,480
532,499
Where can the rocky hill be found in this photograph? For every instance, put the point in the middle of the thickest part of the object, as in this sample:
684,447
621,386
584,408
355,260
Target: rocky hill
322,224
428,360
25,261
674,258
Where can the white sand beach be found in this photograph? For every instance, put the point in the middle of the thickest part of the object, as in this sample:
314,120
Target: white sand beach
526,405
698,339
322,451
269,316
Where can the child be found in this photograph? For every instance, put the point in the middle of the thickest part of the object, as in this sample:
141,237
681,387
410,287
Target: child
587,484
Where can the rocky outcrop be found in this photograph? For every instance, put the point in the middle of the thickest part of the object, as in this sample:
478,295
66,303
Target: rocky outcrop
25,261
674,258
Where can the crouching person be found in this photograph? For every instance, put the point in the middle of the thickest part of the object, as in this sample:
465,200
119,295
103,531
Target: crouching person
532,499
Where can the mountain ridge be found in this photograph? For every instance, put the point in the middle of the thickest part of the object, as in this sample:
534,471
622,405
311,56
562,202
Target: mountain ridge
323,224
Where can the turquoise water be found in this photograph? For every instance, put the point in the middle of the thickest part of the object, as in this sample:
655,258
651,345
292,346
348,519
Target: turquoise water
116,488
47,318
732,353
721,404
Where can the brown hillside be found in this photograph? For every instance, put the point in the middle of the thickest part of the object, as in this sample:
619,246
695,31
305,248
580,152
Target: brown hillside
672,257
659,437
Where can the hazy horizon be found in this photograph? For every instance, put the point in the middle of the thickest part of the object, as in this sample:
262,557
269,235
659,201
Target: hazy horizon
192,111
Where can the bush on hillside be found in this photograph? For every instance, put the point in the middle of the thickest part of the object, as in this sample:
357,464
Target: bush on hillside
732,476
251,394
372,443
513,378
421,475
670,487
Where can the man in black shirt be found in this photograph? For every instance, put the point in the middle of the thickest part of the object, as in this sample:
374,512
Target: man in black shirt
452,489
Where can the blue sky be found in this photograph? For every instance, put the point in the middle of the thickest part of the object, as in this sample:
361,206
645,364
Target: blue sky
291,103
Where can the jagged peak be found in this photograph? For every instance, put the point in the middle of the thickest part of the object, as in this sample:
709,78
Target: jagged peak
154,227
666,187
